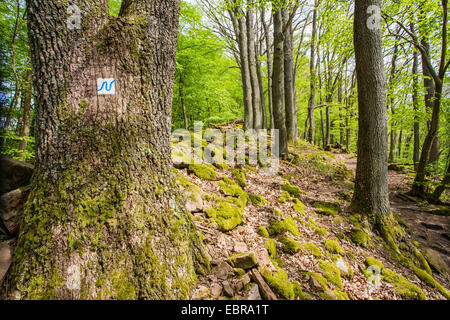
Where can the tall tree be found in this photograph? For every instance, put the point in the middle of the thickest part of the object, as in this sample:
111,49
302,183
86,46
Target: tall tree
256,97
312,71
371,185
278,82
104,217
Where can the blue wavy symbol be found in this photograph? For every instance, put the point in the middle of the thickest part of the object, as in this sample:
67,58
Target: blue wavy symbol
105,84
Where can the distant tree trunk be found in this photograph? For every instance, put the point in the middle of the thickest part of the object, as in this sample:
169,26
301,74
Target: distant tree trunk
289,81
399,144
418,188
269,67
341,125
245,71
323,131
416,148
312,72
391,101
371,184
104,217
183,107
256,97
261,92
434,197
26,113
429,94
278,82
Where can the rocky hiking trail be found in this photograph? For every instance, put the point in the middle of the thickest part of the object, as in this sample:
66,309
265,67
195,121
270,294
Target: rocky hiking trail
298,239
290,235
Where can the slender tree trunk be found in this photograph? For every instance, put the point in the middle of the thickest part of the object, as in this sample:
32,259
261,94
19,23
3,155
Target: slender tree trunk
26,113
269,67
341,125
256,97
391,101
278,82
371,185
245,72
416,148
104,217
289,81
183,107
261,92
312,72
434,197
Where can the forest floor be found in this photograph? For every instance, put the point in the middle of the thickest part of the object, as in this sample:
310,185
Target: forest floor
325,238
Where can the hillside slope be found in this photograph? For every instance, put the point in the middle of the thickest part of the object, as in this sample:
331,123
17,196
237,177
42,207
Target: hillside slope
292,235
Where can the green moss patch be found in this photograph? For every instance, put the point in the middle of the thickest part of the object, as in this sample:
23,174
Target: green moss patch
280,283
240,176
313,249
293,190
290,246
287,225
271,247
402,286
262,231
429,280
359,237
327,208
285,197
298,206
226,215
257,200
333,246
331,273
204,171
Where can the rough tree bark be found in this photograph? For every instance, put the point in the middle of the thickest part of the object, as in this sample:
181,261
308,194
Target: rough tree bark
104,217
371,185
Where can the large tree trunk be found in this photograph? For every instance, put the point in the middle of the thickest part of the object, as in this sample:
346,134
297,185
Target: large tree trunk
312,71
289,81
261,93
256,97
371,185
278,83
104,217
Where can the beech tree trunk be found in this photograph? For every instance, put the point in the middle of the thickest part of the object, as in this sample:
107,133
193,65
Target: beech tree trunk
278,83
104,217
289,81
256,97
269,67
245,71
312,71
371,184
25,132
416,148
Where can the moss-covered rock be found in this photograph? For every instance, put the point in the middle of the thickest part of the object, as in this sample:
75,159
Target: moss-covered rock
341,295
298,206
257,200
226,215
262,231
287,225
243,260
333,246
313,249
271,247
280,283
402,286
290,246
321,281
285,197
331,273
240,176
359,237
371,261
293,190
327,208
204,171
